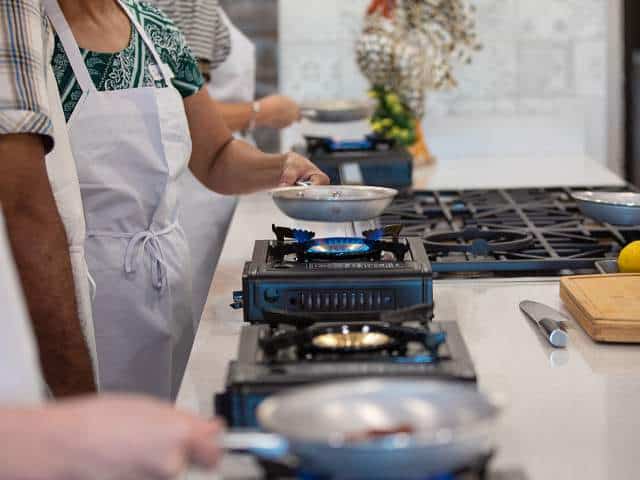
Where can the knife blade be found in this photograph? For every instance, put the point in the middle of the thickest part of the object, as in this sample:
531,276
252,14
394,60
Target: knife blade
548,320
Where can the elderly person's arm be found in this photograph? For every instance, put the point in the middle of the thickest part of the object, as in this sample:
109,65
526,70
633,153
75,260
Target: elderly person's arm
231,166
36,231
274,111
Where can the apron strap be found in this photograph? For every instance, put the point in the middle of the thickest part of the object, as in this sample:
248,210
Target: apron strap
139,243
62,28
167,74
71,48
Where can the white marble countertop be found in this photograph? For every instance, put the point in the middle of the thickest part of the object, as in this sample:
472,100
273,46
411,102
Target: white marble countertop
569,414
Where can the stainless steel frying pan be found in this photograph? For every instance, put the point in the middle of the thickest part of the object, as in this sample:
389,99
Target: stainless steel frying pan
336,111
617,208
328,203
434,427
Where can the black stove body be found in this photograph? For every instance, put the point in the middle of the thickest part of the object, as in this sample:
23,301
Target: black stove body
278,356
478,470
381,162
335,276
507,232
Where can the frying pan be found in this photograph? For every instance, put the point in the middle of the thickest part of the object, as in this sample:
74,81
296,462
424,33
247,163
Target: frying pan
432,427
333,203
336,111
616,208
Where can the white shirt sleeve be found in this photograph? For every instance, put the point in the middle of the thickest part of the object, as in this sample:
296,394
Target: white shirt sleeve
20,377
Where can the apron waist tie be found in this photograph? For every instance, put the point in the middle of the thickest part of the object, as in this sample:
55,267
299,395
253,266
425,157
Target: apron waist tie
146,240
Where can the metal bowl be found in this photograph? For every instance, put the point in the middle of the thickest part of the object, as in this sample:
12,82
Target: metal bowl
616,208
333,203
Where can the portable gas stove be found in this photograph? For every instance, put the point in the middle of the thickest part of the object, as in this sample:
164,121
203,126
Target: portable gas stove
297,273
282,471
519,232
297,349
367,161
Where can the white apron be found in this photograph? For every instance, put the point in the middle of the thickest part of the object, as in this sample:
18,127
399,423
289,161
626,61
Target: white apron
130,146
63,178
20,378
206,215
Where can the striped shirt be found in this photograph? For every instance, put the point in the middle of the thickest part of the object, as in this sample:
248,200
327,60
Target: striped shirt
24,48
205,31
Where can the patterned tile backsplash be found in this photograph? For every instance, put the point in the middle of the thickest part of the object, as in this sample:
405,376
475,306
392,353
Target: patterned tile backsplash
539,85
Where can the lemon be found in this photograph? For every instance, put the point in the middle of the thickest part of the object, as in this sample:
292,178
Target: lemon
629,259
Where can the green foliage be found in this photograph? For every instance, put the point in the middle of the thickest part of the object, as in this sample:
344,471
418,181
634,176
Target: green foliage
392,119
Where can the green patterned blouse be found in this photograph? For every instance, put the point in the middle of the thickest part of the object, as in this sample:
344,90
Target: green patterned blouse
129,68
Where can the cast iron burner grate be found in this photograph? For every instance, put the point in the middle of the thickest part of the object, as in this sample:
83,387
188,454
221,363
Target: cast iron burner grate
402,336
305,247
507,232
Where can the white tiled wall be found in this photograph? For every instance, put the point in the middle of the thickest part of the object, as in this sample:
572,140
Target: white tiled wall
545,82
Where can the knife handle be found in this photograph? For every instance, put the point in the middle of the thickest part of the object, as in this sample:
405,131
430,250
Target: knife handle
554,332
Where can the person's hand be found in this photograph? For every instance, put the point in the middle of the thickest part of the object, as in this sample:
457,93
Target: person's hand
297,168
129,438
277,111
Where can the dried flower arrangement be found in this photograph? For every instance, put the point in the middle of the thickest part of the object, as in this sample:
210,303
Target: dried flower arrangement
408,47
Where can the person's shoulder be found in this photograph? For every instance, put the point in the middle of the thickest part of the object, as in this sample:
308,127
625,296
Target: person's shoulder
151,12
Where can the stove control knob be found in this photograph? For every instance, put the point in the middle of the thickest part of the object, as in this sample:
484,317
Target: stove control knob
271,295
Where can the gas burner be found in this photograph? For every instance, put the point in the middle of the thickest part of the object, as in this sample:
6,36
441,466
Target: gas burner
306,247
478,242
341,342
352,338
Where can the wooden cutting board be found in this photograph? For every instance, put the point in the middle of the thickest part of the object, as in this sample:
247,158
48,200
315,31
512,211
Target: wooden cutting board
606,306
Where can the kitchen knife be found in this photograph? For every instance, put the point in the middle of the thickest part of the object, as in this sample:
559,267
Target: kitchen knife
549,320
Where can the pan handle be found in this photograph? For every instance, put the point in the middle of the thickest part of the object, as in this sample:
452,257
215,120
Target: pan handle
309,113
263,445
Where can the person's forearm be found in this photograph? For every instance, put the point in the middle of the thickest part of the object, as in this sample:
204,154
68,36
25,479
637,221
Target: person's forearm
241,168
40,247
237,116
222,164
31,449
231,166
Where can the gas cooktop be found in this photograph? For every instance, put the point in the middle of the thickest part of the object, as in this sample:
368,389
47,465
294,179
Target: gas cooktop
298,350
506,232
298,273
